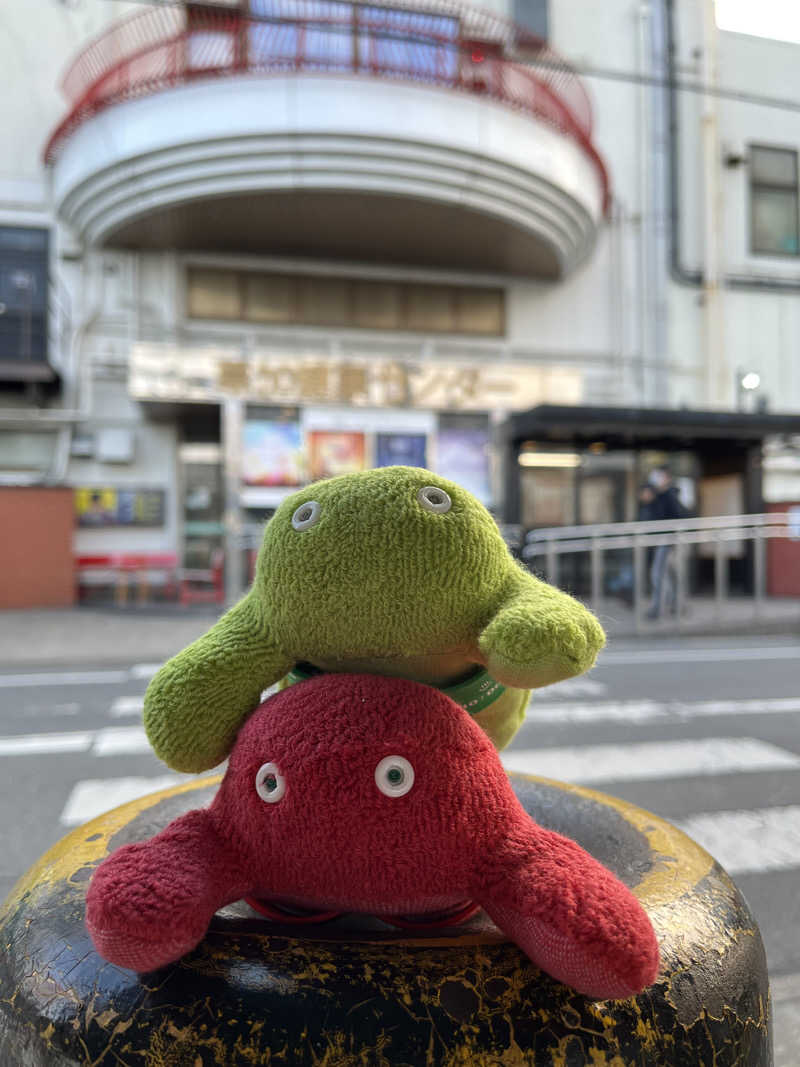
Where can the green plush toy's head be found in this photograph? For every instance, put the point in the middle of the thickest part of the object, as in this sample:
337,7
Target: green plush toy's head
392,571
385,563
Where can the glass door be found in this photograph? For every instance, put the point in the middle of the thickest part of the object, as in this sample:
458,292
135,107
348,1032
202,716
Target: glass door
201,480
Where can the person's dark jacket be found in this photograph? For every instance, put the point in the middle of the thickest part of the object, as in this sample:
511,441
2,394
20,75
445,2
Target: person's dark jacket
667,506
646,512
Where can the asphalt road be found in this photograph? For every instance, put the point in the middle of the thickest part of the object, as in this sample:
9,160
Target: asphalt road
704,732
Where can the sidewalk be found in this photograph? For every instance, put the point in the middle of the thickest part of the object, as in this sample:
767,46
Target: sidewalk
701,615
96,635
76,636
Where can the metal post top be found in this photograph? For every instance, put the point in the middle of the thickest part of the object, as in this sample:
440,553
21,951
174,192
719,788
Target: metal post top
458,994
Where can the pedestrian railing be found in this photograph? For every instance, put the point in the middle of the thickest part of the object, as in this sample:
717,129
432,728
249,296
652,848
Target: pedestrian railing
743,537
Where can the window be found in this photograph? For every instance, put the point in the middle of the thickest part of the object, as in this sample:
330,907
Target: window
216,294
532,16
773,202
340,35
298,300
23,294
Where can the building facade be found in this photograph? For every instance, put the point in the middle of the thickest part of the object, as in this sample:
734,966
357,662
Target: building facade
247,244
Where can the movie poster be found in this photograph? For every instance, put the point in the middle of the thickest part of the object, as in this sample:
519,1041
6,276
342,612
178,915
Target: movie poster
400,450
272,453
333,452
462,455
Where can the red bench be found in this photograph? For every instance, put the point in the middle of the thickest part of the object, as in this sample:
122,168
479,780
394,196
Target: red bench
121,571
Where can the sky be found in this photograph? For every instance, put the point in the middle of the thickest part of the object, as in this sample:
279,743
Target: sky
767,18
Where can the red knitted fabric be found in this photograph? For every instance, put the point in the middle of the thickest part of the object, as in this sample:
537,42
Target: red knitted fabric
335,841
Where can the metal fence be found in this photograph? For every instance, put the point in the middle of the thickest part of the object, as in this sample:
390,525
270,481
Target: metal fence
580,556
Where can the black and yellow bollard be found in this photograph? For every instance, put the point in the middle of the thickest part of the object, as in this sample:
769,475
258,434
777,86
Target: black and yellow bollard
356,992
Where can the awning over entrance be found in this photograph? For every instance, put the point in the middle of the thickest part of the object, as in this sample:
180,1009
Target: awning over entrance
657,428
721,440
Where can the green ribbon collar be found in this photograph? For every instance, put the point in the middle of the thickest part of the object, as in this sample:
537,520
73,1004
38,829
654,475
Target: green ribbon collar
475,693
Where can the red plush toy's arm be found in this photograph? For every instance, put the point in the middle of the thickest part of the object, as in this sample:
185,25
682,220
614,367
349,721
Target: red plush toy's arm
570,914
150,903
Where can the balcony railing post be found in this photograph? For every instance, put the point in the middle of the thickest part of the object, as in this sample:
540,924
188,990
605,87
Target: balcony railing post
354,33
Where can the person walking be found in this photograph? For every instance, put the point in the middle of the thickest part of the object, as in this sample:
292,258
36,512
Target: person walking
664,507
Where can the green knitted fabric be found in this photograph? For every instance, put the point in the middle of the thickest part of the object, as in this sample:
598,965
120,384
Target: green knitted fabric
377,583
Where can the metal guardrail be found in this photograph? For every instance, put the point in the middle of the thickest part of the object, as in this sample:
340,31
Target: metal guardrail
452,46
681,534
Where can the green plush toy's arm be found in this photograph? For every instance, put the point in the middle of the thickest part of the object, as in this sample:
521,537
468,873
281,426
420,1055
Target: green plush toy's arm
539,635
195,704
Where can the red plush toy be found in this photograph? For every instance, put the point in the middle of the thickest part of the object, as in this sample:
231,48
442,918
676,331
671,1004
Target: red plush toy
378,795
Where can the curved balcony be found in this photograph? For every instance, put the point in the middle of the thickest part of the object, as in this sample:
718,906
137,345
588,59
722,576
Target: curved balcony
391,133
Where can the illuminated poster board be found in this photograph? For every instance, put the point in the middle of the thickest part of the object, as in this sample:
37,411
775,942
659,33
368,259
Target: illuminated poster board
334,452
400,449
462,455
100,506
272,453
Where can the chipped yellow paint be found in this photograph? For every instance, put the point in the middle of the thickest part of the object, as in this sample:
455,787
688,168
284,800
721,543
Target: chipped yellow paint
680,863
90,842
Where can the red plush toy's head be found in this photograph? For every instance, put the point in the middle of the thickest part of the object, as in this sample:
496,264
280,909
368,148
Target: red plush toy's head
363,793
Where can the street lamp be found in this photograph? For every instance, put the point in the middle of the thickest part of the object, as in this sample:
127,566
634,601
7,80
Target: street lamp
746,382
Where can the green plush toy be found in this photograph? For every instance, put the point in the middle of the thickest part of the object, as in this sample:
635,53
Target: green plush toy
393,571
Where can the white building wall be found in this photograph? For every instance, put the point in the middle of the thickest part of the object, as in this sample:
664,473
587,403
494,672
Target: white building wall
35,48
759,323
599,320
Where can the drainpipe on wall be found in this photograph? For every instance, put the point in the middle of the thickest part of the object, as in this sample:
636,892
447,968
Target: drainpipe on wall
716,376
678,272
645,205
652,151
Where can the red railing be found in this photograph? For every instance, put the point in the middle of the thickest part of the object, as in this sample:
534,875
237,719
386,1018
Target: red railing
456,47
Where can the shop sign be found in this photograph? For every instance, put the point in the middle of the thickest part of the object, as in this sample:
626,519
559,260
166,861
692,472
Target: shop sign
102,506
169,372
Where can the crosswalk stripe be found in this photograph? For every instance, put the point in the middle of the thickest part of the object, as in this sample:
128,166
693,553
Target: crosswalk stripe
127,705
649,710
145,670
42,744
111,741
20,681
590,764
120,740
93,796
574,687
746,841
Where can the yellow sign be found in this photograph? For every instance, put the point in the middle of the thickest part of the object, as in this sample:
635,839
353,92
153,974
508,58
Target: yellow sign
167,372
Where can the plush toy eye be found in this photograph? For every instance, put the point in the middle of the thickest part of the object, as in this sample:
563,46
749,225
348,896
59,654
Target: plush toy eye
434,499
394,776
270,783
306,515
